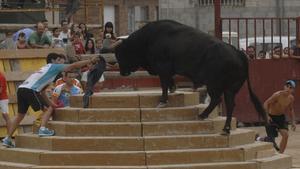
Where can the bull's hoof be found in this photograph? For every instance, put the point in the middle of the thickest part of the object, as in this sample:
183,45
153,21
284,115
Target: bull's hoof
225,132
161,105
202,116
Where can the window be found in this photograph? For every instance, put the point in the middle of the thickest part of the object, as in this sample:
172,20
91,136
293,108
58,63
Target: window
223,2
137,17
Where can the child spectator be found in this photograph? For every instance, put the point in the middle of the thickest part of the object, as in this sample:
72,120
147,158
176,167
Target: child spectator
61,94
65,34
90,46
62,80
86,34
79,49
4,101
21,42
56,41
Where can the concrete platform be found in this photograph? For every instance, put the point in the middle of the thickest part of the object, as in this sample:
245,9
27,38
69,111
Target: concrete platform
133,158
124,130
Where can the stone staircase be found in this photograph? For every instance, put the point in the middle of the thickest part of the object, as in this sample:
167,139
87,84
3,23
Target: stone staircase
124,130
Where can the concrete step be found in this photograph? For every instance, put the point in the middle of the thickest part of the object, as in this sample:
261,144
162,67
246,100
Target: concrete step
237,137
214,125
97,115
208,126
278,161
65,158
219,165
189,156
11,165
130,114
136,99
134,158
58,143
96,128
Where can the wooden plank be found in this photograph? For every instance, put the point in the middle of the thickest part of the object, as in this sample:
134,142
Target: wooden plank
28,53
17,75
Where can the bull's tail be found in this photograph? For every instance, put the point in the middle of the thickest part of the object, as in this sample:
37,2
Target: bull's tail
256,102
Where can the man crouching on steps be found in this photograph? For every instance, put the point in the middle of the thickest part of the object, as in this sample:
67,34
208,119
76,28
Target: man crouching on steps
277,105
32,93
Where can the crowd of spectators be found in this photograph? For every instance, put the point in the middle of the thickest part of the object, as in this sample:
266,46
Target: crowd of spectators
276,53
74,37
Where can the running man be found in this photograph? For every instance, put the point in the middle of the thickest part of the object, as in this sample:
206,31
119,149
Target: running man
279,104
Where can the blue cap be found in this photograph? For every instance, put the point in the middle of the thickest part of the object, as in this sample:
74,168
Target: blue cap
291,83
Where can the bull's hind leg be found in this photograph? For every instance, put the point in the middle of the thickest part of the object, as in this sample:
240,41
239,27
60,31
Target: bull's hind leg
229,96
165,82
229,102
215,100
172,86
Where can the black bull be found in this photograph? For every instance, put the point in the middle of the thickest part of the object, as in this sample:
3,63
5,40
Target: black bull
166,48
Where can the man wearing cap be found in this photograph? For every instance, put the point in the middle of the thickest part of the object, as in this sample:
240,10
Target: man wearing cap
279,104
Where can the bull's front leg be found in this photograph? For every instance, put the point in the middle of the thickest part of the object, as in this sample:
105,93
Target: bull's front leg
164,97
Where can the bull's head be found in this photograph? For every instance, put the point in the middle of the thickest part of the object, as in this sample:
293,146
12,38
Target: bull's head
125,56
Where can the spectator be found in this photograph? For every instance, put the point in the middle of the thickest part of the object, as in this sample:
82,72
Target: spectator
262,54
287,52
86,34
56,41
65,33
90,46
4,101
38,39
21,3
78,46
21,43
62,80
98,46
47,32
27,31
277,52
61,94
6,41
250,51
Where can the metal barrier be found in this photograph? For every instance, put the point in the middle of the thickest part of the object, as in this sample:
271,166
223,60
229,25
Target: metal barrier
262,34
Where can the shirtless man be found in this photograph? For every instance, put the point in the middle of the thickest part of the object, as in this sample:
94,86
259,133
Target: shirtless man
279,104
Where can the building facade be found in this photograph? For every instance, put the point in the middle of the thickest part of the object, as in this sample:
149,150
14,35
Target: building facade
200,13
128,15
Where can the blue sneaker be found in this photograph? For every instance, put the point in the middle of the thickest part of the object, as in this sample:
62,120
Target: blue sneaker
7,142
46,132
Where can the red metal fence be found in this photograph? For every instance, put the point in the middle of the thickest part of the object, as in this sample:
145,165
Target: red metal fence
278,38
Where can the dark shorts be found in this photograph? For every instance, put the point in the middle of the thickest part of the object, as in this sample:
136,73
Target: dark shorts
27,97
279,121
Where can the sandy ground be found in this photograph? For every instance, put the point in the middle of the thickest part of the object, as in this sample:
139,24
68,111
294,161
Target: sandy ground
293,147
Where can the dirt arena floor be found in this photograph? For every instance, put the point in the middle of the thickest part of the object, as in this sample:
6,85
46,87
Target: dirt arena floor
293,147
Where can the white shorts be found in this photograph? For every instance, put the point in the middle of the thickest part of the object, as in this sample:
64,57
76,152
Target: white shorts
4,106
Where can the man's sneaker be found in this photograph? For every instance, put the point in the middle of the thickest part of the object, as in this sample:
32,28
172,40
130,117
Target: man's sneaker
7,142
46,132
